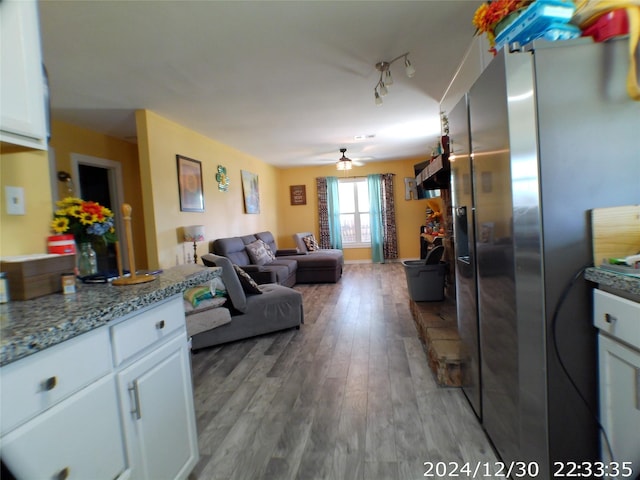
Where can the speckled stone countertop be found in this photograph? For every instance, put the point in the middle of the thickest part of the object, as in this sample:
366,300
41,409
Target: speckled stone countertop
615,281
27,327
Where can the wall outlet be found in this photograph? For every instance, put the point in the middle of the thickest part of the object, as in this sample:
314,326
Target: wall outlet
14,197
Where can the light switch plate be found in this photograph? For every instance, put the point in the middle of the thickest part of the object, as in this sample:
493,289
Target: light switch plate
14,197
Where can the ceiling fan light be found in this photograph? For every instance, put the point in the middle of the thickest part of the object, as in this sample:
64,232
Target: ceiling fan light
344,164
411,71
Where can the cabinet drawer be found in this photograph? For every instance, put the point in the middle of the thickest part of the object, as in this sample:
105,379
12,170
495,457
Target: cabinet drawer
79,438
617,316
143,330
39,381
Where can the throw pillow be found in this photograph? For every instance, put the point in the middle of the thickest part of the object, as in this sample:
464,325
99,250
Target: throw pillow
248,284
257,252
195,295
270,254
310,243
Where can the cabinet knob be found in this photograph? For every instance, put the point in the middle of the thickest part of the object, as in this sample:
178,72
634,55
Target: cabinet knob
50,383
62,474
609,318
160,325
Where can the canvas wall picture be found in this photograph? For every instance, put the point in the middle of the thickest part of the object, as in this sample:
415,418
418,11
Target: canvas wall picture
251,192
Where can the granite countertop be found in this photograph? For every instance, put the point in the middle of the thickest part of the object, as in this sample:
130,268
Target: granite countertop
26,327
629,284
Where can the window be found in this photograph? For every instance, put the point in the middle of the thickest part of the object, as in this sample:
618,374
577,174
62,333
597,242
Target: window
354,212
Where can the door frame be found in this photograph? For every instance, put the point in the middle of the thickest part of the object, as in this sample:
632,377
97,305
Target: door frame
116,192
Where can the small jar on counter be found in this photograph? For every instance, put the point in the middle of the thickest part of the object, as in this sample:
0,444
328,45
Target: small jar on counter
4,287
68,283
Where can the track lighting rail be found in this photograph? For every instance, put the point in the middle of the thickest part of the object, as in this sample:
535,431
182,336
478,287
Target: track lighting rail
386,80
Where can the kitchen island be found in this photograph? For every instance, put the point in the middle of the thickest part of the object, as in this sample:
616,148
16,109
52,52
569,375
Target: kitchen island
610,280
26,327
97,384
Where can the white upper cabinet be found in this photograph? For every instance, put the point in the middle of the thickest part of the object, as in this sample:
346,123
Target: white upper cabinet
23,109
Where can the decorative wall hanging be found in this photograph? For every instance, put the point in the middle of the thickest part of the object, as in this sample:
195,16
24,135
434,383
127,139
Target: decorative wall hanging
298,194
222,179
190,184
251,192
410,188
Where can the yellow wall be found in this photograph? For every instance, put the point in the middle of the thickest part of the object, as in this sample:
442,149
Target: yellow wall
29,169
67,139
151,187
410,214
159,141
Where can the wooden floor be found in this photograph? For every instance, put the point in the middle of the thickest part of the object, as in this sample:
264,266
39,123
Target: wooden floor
348,396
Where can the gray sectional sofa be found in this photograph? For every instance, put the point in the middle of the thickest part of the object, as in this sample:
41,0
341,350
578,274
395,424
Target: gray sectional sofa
274,308
285,266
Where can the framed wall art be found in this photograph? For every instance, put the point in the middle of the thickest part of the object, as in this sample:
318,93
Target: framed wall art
298,194
251,192
190,184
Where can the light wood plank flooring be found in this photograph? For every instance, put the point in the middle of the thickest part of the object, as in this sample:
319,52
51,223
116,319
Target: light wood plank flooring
348,396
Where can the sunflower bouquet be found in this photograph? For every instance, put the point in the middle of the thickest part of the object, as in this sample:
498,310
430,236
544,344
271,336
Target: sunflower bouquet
489,14
86,221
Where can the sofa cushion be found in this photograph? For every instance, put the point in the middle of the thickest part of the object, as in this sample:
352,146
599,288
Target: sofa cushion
248,284
306,262
259,253
230,278
206,320
233,249
267,237
298,238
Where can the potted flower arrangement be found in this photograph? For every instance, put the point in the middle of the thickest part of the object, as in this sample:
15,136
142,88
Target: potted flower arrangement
493,16
88,222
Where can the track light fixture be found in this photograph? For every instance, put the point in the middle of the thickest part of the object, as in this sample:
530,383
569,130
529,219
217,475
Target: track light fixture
344,163
386,80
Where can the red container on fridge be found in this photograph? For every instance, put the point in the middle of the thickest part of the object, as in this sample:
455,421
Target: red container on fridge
608,25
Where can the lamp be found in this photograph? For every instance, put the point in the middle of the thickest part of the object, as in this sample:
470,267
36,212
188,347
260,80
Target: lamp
382,87
344,163
194,233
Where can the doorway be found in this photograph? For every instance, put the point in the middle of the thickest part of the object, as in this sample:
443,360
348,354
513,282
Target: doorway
100,180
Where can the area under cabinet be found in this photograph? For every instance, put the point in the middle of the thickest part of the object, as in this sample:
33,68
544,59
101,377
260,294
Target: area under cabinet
116,402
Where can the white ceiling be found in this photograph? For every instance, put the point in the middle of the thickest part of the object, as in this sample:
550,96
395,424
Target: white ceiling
289,82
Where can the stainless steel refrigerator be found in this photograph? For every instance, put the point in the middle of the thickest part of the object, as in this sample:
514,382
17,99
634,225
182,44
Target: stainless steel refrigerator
544,135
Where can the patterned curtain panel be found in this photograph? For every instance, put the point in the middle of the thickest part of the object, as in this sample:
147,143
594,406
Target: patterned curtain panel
323,213
390,245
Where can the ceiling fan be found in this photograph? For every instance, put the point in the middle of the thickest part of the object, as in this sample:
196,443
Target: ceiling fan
344,161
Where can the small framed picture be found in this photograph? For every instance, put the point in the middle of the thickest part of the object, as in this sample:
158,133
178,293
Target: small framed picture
298,194
190,184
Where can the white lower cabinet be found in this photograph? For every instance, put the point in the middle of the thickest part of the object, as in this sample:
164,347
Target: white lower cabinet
159,421
620,401
80,410
619,367
79,438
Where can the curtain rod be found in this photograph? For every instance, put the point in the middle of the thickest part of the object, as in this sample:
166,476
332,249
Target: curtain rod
357,176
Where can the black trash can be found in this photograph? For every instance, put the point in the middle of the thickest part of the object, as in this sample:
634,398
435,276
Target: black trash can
425,281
